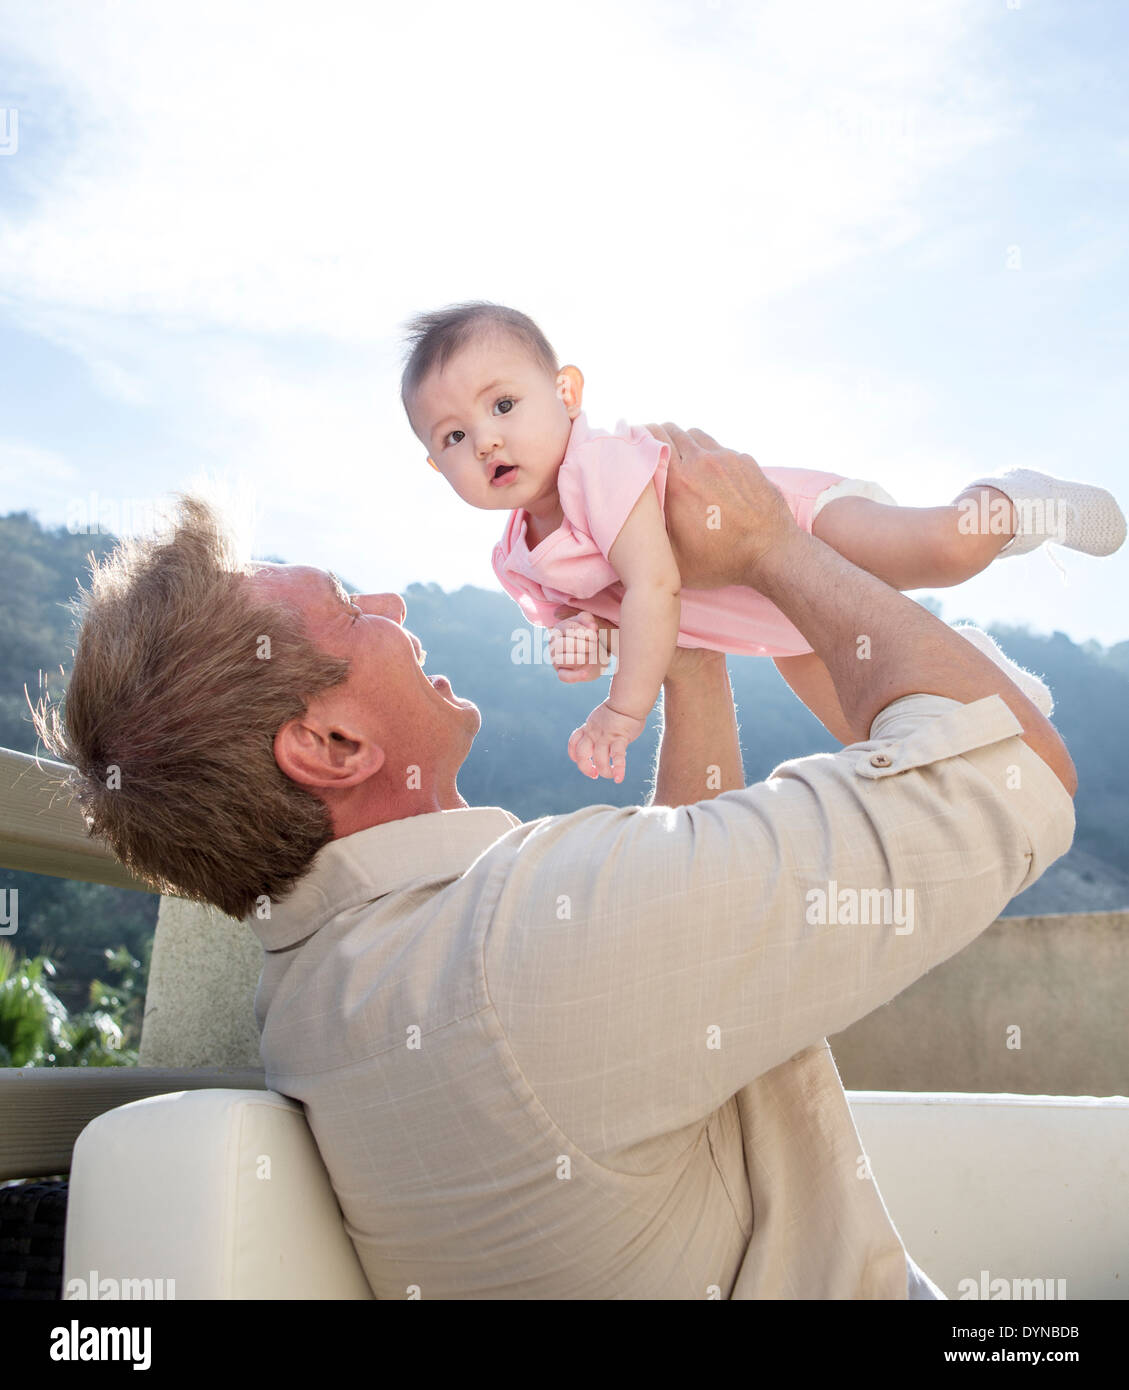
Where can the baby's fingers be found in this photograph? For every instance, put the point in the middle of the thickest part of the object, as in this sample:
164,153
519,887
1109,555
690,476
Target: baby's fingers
580,747
573,674
601,757
573,642
557,648
610,758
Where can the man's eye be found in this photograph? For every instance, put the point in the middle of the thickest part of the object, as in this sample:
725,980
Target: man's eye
506,401
451,437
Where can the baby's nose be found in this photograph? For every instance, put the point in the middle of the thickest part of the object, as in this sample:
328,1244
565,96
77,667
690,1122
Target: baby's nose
487,443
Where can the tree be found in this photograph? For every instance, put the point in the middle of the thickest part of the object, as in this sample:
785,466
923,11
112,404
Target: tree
36,1030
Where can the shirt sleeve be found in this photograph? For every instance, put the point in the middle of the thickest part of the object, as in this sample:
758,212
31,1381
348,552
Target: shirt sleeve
607,478
647,963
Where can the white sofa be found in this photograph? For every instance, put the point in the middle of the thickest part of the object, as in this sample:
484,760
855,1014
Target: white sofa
223,1192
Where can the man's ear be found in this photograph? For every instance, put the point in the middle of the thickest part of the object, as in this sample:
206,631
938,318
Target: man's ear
325,757
570,389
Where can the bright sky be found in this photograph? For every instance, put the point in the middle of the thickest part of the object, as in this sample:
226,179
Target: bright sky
886,238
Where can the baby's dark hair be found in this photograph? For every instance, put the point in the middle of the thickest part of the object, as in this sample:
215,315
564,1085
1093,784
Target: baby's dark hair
434,338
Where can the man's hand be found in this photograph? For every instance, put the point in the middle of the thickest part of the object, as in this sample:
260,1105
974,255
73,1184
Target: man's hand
599,746
722,513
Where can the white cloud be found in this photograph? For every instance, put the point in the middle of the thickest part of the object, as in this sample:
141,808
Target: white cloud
330,168
231,208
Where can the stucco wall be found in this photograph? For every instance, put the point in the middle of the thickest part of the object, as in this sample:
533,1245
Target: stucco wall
1061,981
199,1006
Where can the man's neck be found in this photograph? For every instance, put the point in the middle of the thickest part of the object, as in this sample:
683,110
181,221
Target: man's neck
379,806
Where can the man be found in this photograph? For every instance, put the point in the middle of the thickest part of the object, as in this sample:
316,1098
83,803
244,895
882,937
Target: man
582,1057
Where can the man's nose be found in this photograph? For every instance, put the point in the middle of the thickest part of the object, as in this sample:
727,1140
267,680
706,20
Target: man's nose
383,605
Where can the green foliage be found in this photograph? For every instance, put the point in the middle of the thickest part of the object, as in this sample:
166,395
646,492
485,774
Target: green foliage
32,1018
36,1030
74,922
124,1002
67,923
40,570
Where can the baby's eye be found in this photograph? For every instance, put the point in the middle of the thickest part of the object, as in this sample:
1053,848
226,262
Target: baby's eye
451,437
506,401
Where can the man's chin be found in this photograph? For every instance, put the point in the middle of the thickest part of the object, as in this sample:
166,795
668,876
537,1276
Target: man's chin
469,720
460,702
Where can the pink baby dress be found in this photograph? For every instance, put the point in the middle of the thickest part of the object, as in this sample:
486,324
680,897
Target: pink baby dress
600,480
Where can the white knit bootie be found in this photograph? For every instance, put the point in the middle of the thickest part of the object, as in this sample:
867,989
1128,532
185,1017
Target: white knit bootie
1077,515
1035,689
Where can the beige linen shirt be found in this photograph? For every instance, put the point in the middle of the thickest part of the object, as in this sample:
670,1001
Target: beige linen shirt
586,1057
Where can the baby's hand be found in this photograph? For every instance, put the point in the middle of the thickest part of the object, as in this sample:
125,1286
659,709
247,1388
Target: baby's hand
602,740
573,649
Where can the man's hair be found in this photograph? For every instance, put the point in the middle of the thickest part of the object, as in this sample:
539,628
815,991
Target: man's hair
182,677
434,338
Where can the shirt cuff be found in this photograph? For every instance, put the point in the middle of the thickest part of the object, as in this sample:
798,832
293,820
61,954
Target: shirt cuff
918,730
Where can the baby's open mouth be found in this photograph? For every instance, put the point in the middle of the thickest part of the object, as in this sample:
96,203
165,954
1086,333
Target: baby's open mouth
503,470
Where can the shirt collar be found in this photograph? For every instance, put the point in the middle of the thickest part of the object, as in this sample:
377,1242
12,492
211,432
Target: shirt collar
362,867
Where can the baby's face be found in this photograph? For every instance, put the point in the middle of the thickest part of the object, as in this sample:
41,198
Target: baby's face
494,404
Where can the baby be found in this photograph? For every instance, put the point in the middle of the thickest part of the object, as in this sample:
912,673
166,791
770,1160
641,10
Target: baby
502,422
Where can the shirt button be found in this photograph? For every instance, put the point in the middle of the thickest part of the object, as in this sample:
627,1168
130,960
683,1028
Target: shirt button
880,760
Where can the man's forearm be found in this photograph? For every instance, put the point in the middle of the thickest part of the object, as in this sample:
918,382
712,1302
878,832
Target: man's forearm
878,645
700,750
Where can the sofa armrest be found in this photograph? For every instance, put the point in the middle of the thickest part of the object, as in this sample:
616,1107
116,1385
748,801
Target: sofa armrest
44,1109
216,1194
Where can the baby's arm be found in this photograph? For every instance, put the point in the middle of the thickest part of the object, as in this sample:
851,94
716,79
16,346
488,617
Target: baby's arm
650,609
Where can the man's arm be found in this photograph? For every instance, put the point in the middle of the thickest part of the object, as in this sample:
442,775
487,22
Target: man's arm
700,749
841,610
909,650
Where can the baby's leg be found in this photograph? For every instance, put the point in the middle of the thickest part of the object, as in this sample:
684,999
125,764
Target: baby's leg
811,681
918,547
